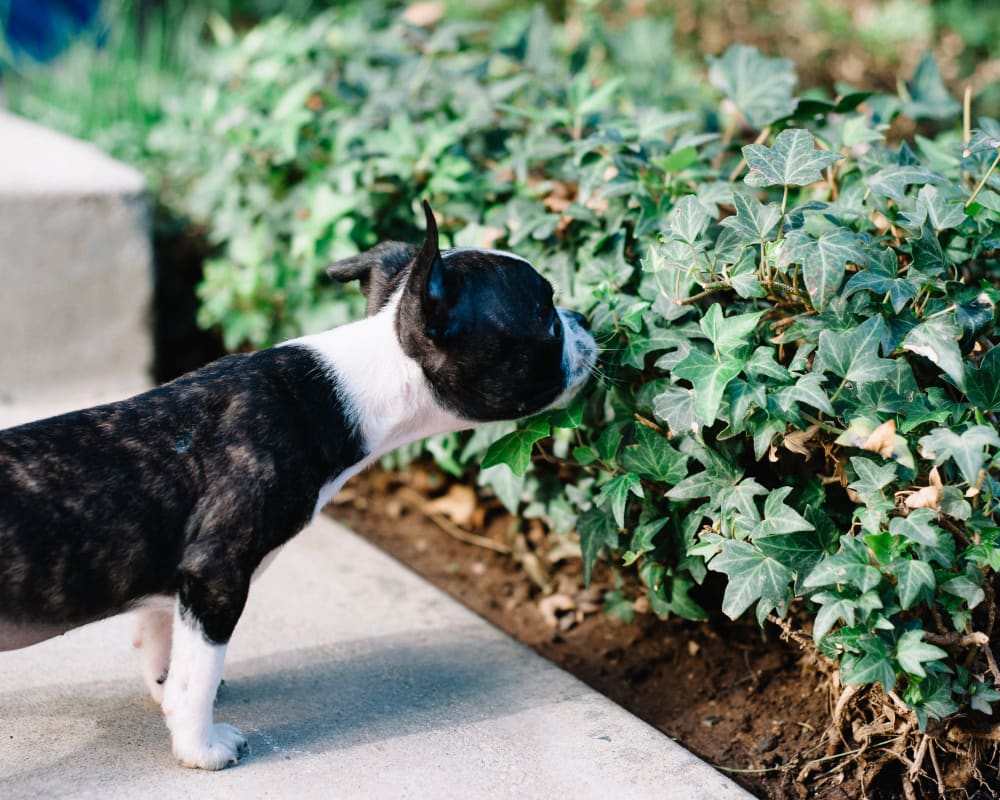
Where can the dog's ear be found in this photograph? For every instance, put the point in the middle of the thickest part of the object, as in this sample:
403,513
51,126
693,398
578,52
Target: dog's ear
378,270
431,282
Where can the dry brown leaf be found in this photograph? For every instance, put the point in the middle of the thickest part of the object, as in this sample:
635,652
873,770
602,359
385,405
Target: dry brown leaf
927,497
458,505
424,14
882,439
796,441
549,607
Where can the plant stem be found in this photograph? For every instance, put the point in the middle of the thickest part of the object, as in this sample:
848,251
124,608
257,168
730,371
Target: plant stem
982,183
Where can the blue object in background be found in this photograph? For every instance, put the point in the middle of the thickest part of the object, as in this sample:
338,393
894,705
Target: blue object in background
42,29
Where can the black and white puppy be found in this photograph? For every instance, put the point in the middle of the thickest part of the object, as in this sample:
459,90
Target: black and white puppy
168,502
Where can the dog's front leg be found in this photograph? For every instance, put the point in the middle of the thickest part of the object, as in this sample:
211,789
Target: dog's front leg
189,696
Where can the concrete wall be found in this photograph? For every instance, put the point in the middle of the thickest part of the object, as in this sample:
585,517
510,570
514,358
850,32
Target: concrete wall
76,274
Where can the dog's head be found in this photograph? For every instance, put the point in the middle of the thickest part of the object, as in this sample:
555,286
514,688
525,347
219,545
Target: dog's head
481,323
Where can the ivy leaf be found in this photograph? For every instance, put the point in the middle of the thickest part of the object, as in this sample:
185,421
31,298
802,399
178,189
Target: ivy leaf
653,457
597,530
853,356
753,221
689,219
912,652
760,87
834,607
892,181
962,586
882,278
809,390
675,406
937,339
793,160
515,448
851,566
982,383
914,578
800,552
728,333
968,449
709,379
824,260
916,527
617,491
871,479
779,517
874,665
753,576
929,97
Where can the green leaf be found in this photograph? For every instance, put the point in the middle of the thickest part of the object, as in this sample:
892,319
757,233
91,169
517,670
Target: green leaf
728,333
882,278
913,652
834,607
937,340
824,261
929,97
709,379
968,449
914,578
508,487
983,382
892,181
753,576
793,160
617,491
597,530
779,517
851,566
760,87
808,390
916,527
675,406
853,356
515,448
689,219
871,479
800,552
653,457
874,666
962,586
753,222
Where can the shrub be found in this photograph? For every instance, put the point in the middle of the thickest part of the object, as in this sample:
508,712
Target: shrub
797,308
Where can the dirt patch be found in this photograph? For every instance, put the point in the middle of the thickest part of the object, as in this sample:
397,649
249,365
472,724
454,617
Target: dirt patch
742,700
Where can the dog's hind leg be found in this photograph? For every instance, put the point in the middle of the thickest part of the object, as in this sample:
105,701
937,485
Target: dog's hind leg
153,633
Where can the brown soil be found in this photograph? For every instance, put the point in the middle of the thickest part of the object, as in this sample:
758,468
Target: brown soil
740,699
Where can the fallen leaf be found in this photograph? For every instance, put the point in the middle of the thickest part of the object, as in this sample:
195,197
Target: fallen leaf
458,505
550,606
424,14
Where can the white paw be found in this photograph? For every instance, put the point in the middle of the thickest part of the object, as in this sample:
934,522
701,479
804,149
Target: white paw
223,749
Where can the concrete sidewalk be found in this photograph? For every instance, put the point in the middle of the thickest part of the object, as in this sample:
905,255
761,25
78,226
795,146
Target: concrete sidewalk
352,678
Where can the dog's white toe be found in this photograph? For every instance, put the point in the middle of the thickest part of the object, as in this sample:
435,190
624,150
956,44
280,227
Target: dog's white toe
224,748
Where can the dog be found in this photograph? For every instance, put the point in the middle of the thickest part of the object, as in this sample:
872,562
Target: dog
169,502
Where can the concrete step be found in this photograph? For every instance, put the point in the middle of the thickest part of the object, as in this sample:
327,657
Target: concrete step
76,274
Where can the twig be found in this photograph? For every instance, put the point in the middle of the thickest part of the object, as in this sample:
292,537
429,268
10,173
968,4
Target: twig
937,771
463,535
982,183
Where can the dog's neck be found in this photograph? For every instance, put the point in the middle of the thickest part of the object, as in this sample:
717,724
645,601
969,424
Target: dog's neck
385,391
